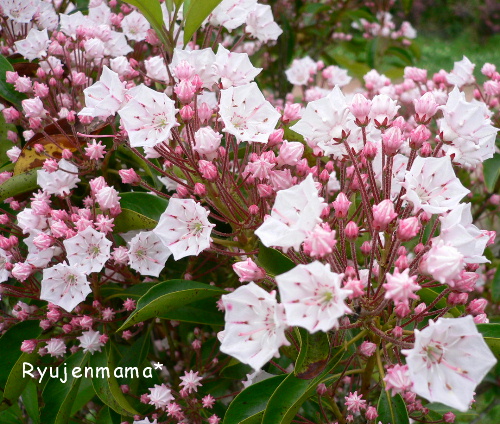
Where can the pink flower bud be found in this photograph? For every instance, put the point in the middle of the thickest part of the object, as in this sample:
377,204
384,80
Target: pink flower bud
341,205
40,90
392,140
370,150
455,298
383,214
481,319
33,108
292,112
186,113
321,389
208,170
204,112
129,176
28,346
200,189
360,107
11,115
408,228
476,306
265,190
21,271
11,77
290,153
449,417
253,210
367,348
67,328
276,137
351,231
207,141
488,70
371,413
366,248
425,108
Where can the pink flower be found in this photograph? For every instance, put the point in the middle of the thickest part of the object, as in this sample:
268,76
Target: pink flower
248,271
160,396
400,287
33,108
90,341
312,296
354,403
95,150
207,141
383,214
56,347
320,241
191,381
398,379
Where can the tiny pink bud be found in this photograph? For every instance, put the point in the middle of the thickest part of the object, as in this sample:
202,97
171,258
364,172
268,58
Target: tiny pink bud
341,205
351,231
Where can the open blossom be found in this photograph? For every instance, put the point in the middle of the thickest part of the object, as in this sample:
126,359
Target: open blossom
431,185
105,97
184,228
301,70
234,69
398,379
458,231
89,250
135,26
60,182
466,130
65,286
56,347
247,114
296,211
336,76
34,46
232,13
90,341
160,396
462,73
260,24
148,117
191,381
443,262
255,325
147,254
202,63
313,297
400,286
448,361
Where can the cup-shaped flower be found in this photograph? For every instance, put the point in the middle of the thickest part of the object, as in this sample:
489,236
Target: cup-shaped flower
184,228
313,297
89,250
147,254
60,182
255,325
448,361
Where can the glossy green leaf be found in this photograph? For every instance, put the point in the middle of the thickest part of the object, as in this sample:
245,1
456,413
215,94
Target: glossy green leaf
195,14
313,355
273,261
495,286
168,296
7,91
391,410
18,184
130,220
491,334
107,386
108,416
252,401
135,291
201,312
137,352
146,204
30,401
151,10
17,379
287,400
428,295
59,397
12,416
85,394
491,172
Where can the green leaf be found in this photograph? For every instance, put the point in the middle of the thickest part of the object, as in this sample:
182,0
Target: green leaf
287,400
137,353
135,291
195,14
252,401
428,295
391,410
407,4
495,286
168,296
313,355
273,261
491,172
201,312
146,204
16,381
107,387
85,394
30,401
18,184
7,91
129,220
151,10
491,334
59,397
108,416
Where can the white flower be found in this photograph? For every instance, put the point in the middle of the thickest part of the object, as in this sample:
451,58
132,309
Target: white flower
20,11
147,254
296,211
65,286
135,26
232,13
247,114
336,76
34,46
326,121
301,70
467,131
148,117
60,182
156,68
117,45
255,325
260,24
160,396
312,296
234,69
184,228
462,73
56,347
4,273
88,250
203,62
448,361
431,185
105,97
70,22
89,341
443,262
458,231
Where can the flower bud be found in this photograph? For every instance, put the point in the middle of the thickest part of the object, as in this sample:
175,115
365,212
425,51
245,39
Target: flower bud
341,205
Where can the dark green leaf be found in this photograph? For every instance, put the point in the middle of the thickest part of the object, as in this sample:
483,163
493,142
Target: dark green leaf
195,14
108,416
18,184
17,380
491,172
428,295
135,291
169,296
7,91
136,354
273,261
129,220
106,386
313,354
201,312
59,397
30,401
491,334
495,286
252,401
146,204
392,410
85,394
